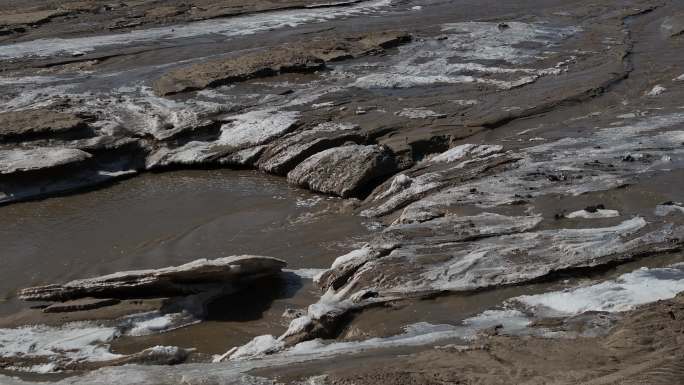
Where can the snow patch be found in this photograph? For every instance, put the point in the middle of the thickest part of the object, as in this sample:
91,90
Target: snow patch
465,102
669,208
15,160
258,347
455,59
622,294
256,127
152,325
234,26
656,90
309,273
419,113
72,342
598,213
459,152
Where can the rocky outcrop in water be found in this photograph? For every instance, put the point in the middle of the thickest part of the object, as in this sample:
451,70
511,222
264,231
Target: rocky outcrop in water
344,171
197,276
284,154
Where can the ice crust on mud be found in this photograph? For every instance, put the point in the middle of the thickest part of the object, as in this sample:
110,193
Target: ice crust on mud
22,160
78,341
458,219
243,131
454,59
220,128
230,27
616,154
514,317
84,343
600,213
469,253
622,294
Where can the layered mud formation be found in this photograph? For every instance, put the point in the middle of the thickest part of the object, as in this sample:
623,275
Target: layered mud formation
138,302
530,155
194,277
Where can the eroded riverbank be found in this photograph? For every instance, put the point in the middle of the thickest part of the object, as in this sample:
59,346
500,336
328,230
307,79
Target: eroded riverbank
507,173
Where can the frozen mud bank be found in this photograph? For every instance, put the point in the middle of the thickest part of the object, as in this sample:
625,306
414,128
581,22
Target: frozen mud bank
541,146
84,344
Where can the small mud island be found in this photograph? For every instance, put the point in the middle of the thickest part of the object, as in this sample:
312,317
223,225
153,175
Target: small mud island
347,192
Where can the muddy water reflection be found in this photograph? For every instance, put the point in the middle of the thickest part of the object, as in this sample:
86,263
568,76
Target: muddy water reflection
167,219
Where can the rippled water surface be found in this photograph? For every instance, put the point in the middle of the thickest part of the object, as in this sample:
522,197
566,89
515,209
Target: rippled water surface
158,220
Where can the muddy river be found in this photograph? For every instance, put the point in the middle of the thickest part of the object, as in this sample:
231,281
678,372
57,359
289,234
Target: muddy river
167,219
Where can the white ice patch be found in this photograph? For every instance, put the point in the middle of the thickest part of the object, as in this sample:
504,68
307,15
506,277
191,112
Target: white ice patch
419,113
308,202
499,41
133,109
599,213
418,334
228,27
624,293
316,106
256,127
399,183
357,254
646,145
15,160
310,273
258,347
152,325
461,151
632,115
455,153
83,341
140,110
465,102
242,132
679,78
335,126
667,209
453,60
656,90
72,342
297,325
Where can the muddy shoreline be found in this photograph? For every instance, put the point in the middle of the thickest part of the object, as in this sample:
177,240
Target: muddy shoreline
494,191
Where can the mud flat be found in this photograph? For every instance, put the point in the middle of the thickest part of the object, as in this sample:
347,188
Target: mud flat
463,192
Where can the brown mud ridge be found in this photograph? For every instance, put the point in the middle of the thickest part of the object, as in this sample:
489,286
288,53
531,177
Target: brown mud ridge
539,147
301,57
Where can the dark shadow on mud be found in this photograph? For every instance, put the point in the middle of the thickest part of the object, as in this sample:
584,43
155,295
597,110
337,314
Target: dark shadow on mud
250,303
